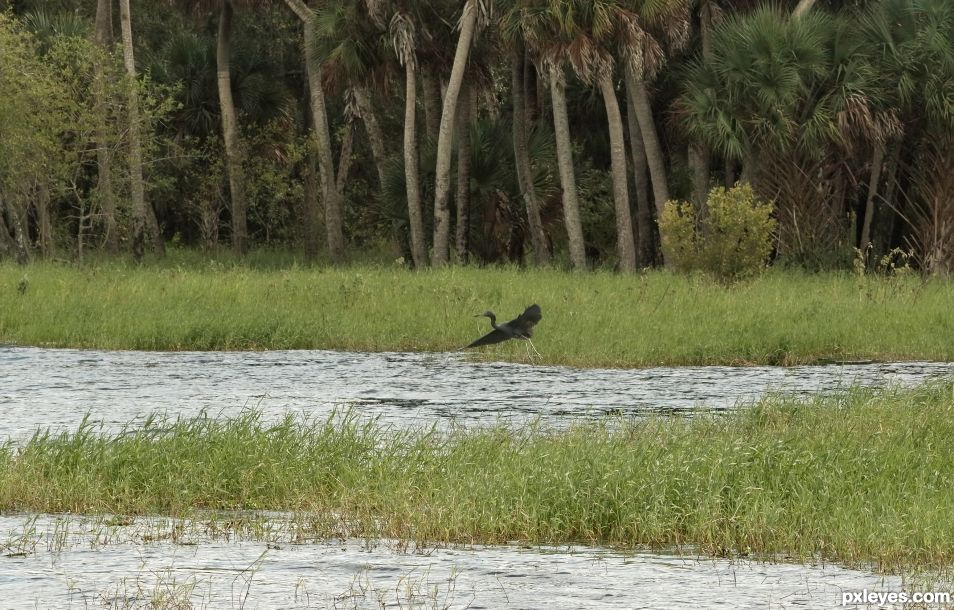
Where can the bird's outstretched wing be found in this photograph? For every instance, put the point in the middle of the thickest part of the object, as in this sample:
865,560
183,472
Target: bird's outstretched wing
524,323
494,336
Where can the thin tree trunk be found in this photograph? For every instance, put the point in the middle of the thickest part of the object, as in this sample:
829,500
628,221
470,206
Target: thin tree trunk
412,177
43,220
311,212
445,136
644,215
311,206
877,161
699,164
463,175
431,94
345,159
104,174
522,159
531,99
135,142
21,237
626,249
730,176
334,211
234,154
699,156
375,135
7,245
654,154
571,205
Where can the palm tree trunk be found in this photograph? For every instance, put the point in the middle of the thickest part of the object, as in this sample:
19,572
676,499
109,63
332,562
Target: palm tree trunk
626,249
345,158
699,163
311,206
877,161
334,211
375,135
803,7
104,174
654,154
463,175
644,215
444,137
571,205
230,133
412,177
522,159
135,143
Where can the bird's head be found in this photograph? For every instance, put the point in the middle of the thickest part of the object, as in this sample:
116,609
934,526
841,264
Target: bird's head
487,314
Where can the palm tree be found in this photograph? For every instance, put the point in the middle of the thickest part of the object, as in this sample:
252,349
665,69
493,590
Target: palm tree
234,153
473,13
403,38
561,131
521,155
787,93
649,29
354,54
104,173
135,138
334,204
581,35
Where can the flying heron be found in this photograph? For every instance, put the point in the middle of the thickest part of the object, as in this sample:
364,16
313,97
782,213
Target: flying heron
520,327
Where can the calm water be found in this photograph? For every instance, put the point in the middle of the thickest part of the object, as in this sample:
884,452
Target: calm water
56,562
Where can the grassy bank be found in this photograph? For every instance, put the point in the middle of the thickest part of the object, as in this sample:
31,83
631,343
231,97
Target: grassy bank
863,477
596,319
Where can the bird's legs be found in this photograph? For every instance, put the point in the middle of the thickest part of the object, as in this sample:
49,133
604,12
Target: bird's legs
531,345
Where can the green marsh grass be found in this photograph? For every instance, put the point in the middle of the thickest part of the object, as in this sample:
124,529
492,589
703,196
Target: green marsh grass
592,319
864,477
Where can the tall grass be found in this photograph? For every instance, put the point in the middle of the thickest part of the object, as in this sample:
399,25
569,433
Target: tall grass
864,476
593,319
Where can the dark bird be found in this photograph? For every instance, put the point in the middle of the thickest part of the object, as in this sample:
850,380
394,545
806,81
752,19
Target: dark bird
520,327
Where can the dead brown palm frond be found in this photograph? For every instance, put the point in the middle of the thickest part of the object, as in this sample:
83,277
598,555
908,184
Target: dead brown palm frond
930,207
643,52
401,31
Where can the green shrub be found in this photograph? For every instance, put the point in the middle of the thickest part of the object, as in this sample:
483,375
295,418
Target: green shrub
730,241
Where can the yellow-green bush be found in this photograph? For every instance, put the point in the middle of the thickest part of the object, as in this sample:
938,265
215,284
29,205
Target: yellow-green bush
730,241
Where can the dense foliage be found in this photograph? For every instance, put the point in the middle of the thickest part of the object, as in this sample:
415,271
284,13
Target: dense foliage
730,238
524,131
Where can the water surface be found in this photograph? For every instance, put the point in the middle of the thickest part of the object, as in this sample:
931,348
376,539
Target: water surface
93,566
56,388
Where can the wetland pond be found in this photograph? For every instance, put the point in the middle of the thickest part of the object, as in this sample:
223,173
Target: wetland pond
57,561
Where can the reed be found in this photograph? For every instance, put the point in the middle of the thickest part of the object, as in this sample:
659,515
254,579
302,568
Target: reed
861,477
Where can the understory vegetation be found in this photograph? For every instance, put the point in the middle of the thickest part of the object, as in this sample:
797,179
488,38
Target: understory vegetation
860,477
183,302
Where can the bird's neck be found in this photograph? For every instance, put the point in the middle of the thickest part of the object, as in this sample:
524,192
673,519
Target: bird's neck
493,320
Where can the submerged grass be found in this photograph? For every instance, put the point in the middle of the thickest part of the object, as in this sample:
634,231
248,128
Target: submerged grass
861,477
593,319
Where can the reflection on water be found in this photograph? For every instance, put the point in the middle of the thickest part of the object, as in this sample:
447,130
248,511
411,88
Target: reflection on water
43,387
90,568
